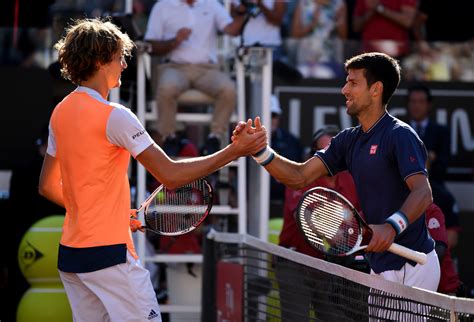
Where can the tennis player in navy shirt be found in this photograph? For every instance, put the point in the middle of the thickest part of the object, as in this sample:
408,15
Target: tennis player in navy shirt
387,161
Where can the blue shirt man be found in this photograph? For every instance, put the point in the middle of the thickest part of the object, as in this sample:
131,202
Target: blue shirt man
387,161
381,159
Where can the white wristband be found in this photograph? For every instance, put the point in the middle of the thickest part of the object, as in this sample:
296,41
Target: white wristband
264,156
398,221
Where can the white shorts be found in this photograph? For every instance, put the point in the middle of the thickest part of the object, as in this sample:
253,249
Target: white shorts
383,308
118,293
421,276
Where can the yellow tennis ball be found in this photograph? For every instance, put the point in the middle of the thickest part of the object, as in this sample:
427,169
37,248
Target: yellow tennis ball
326,245
44,305
160,197
38,251
274,228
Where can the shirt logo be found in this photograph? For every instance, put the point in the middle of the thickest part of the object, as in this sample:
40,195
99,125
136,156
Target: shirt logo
401,223
136,135
373,149
152,315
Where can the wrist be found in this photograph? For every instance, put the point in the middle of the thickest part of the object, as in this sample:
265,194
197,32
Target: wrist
264,156
398,221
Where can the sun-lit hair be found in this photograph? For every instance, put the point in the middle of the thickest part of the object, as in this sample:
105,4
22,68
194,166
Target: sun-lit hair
89,43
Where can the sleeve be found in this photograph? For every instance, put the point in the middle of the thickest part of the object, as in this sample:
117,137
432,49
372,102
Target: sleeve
51,150
154,29
125,130
409,152
222,17
333,156
435,224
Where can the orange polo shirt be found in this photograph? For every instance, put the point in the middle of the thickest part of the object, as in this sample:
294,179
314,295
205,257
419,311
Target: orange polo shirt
94,174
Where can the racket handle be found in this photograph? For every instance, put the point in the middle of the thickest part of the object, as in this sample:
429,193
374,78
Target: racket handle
408,253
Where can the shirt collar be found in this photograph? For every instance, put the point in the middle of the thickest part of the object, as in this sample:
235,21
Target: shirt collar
92,92
376,123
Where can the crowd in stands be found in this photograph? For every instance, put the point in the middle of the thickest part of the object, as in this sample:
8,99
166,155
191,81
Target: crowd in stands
433,41
313,37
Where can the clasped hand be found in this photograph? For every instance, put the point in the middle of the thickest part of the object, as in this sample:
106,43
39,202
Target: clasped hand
248,137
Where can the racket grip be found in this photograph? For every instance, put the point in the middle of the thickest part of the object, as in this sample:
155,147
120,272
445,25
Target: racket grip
408,253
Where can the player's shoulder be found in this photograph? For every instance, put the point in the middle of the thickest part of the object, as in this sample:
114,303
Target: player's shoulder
122,111
400,128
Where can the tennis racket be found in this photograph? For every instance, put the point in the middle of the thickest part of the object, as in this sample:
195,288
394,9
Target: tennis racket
175,212
332,225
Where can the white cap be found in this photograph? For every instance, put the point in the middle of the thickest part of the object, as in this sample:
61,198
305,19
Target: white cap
275,105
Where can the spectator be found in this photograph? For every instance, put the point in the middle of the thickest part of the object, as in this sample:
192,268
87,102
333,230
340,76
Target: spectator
262,28
437,140
321,25
449,282
185,33
286,144
384,25
291,237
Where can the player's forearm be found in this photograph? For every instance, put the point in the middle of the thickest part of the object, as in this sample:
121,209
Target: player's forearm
416,203
195,168
287,172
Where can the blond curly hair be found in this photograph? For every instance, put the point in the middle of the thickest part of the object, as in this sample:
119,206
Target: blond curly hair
89,43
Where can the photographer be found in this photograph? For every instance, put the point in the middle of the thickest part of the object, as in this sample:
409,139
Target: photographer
264,21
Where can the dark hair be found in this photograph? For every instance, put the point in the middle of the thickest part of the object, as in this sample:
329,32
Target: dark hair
378,67
87,43
420,88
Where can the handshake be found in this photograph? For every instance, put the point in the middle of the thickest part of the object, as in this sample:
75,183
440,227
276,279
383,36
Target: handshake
253,139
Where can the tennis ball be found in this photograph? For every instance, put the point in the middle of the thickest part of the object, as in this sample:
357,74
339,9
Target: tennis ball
44,305
274,228
327,246
160,197
38,251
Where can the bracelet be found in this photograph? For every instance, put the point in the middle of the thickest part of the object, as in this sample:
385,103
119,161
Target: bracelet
398,221
264,156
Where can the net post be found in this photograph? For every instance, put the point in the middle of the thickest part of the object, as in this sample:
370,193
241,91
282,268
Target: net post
208,298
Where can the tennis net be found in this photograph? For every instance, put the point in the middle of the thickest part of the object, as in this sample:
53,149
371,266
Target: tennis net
246,279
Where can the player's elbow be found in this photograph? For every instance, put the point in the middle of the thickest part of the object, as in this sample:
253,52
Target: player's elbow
426,196
42,191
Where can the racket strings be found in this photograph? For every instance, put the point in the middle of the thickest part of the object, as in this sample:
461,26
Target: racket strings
180,210
328,223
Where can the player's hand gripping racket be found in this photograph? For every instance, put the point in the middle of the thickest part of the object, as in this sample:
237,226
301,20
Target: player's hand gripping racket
332,225
179,211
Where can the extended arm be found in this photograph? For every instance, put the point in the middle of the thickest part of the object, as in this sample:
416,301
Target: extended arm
174,174
292,174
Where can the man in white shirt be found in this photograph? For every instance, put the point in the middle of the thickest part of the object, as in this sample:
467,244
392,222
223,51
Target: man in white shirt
185,33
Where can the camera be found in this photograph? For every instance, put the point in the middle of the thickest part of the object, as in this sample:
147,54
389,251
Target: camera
251,7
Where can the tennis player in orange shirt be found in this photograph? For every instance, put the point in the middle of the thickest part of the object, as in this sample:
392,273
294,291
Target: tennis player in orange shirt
85,170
